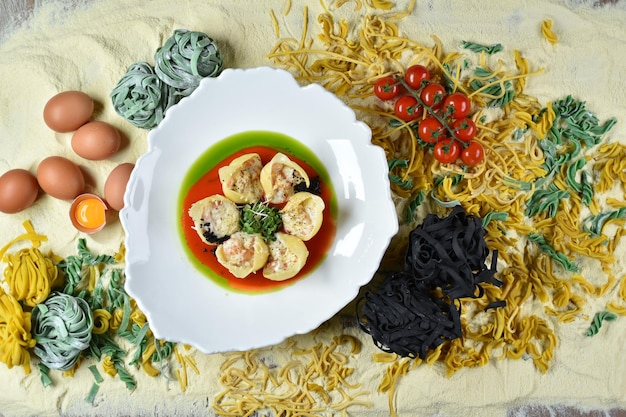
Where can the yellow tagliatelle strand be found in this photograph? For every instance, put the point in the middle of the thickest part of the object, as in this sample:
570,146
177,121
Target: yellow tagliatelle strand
15,333
30,235
101,319
379,4
108,365
546,30
307,385
275,23
394,372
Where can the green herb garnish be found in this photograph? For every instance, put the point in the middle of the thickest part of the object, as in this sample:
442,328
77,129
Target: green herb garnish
261,218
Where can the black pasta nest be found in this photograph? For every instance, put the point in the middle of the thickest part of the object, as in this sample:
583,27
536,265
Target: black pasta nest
417,309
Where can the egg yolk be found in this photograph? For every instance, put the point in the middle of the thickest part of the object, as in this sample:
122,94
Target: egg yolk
90,213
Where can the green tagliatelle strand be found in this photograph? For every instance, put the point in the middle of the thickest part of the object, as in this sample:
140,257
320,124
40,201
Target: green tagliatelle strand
186,58
476,47
556,256
572,169
494,215
141,97
587,188
596,323
62,326
505,95
594,224
91,259
545,200
92,393
44,372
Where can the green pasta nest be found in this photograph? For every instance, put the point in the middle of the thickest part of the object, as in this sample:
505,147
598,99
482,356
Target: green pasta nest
145,93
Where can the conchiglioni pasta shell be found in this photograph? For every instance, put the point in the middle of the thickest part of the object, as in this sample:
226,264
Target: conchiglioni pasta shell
303,215
288,255
277,188
243,254
241,179
214,218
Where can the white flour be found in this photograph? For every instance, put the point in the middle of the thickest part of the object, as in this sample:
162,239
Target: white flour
88,48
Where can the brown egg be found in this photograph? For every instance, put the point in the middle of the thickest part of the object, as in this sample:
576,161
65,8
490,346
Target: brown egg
96,141
67,111
60,177
18,190
115,185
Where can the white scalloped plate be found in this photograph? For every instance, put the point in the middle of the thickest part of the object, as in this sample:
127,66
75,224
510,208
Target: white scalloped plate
181,303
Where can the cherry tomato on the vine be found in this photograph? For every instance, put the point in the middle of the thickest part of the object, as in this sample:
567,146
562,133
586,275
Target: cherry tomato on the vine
407,108
433,95
447,150
415,74
464,129
387,88
473,154
457,105
430,130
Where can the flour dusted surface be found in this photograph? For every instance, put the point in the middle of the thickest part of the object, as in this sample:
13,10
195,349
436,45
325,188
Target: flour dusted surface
89,47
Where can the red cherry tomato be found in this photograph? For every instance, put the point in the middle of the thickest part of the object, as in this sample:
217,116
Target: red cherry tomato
415,74
430,130
473,154
457,105
407,108
433,95
447,150
464,129
387,88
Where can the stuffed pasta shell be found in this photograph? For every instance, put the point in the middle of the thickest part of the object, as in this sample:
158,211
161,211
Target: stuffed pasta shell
303,214
280,176
215,218
241,179
287,256
242,254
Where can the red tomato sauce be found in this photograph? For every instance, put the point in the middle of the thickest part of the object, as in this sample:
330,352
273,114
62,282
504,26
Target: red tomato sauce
209,184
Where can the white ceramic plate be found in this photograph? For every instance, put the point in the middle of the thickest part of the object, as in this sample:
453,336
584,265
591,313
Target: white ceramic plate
181,303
